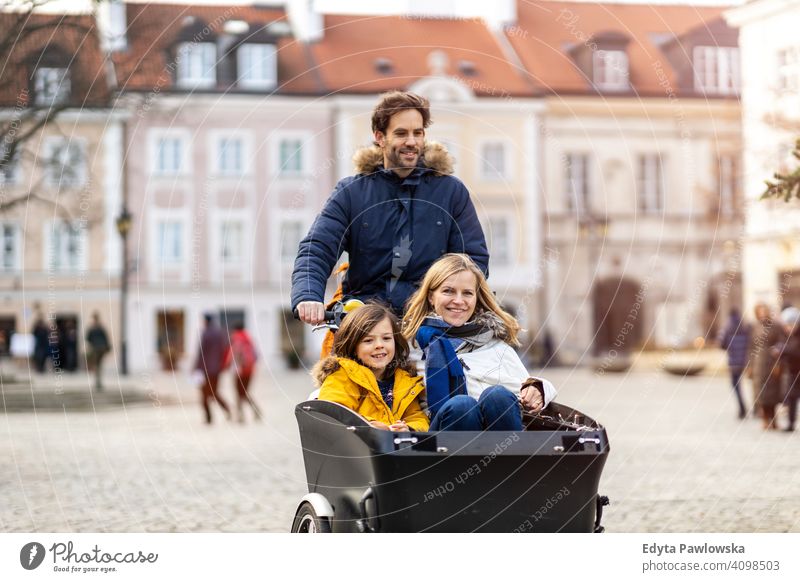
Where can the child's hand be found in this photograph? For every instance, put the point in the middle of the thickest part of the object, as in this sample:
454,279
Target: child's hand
379,424
399,426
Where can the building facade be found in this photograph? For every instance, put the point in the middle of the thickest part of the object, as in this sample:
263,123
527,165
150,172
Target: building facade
770,126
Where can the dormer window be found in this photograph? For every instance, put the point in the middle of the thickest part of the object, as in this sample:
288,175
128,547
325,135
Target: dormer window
383,66
257,66
196,65
610,70
51,86
716,69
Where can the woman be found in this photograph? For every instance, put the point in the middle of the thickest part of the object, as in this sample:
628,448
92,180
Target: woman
735,339
764,367
473,377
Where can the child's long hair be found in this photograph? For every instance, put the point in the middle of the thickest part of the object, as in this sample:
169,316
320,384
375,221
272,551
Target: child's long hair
419,306
359,323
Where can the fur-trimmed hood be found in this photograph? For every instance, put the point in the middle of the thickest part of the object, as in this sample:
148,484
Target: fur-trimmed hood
323,369
435,156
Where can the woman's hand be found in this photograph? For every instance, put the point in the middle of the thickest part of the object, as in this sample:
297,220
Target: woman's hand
379,424
399,426
531,398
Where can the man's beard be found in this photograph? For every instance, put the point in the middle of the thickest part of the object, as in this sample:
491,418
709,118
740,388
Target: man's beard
397,160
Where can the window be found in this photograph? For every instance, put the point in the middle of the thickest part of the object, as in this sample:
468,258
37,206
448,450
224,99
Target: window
66,250
10,249
65,164
650,183
9,172
728,184
169,246
169,156
257,65
493,161
231,250
196,65
577,183
230,156
291,156
51,86
499,240
610,70
716,69
291,235
789,69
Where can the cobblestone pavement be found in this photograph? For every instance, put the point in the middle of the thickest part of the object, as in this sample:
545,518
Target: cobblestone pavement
680,461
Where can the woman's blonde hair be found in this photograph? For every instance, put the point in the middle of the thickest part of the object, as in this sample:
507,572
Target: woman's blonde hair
419,306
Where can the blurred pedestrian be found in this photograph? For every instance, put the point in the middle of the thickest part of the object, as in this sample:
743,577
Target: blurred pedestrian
764,367
210,363
99,346
70,345
41,349
735,339
242,355
790,360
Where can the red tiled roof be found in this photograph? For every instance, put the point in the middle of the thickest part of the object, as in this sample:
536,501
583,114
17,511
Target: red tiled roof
546,30
346,56
72,39
154,28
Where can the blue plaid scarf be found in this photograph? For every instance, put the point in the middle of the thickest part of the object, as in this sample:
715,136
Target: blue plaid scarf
444,375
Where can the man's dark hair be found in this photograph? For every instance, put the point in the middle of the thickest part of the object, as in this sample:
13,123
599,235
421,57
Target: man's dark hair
396,101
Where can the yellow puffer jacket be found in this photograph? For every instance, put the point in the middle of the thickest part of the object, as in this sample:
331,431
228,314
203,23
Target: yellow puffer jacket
354,386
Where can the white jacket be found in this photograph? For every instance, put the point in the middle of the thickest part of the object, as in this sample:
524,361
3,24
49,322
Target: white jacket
496,363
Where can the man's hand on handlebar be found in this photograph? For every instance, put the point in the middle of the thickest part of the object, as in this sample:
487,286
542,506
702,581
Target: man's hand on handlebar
311,312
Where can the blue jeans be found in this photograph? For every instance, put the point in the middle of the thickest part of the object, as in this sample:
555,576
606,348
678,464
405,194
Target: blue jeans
497,409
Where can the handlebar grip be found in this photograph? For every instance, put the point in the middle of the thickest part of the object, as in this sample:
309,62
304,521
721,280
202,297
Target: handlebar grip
330,316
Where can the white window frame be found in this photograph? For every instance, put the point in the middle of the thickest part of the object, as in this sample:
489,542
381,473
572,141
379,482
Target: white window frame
501,258
650,183
51,145
216,139
788,69
51,86
288,253
306,153
578,167
716,69
11,175
611,70
53,263
197,65
267,71
490,172
728,167
157,267
15,253
155,138
216,241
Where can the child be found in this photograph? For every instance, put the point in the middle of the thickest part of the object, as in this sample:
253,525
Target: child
370,373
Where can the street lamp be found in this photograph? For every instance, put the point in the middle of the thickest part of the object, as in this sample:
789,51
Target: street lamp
123,227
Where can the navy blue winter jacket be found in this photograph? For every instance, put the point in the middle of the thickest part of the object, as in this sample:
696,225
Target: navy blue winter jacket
392,229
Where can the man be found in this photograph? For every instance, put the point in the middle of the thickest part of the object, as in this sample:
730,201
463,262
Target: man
401,211
99,346
210,363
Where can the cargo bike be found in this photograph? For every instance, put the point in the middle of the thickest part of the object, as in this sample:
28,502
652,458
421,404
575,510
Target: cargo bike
544,478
